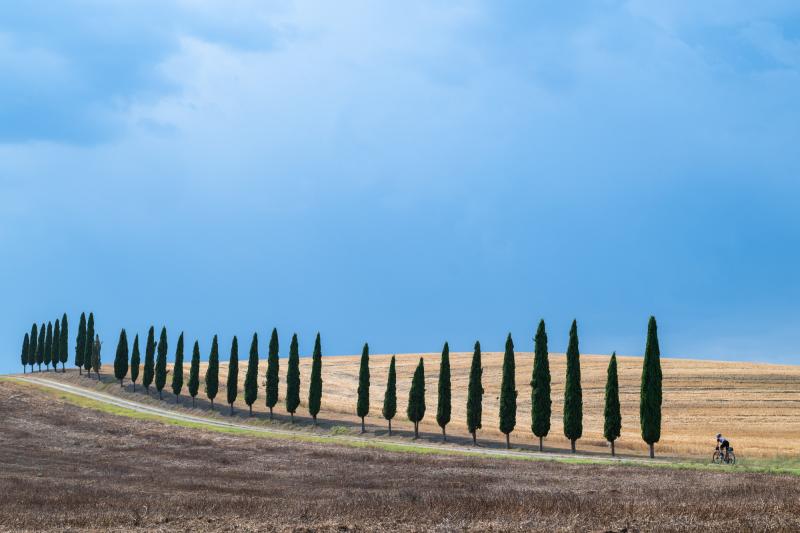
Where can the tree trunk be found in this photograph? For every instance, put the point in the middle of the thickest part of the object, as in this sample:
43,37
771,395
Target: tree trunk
363,429
231,409
134,386
416,430
508,441
40,368
291,416
572,442
270,413
24,369
315,420
540,444
160,397
444,434
251,409
212,404
80,370
63,369
193,402
390,427
652,451
120,384
177,399
613,454
474,439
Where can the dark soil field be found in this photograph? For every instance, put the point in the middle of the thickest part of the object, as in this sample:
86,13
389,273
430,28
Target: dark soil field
65,468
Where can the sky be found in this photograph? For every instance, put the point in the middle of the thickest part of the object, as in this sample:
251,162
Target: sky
404,173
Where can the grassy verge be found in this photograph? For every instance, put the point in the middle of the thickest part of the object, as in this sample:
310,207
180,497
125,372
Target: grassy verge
760,466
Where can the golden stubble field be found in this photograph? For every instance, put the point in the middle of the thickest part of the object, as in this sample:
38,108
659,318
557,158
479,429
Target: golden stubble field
756,406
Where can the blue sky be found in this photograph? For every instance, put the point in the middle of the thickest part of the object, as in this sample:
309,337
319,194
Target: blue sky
404,173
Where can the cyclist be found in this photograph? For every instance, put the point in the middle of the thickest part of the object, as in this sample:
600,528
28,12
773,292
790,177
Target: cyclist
723,444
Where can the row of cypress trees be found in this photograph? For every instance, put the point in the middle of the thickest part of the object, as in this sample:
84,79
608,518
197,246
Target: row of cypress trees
46,345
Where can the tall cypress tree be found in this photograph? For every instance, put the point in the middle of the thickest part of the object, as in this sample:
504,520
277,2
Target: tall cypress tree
612,417
272,372
362,407
41,345
650,400
24,355
149,359
121,357
251,378
573,395
212,373
390,397
161,363
48,347
540,382
90,338
233,373
416,397
33,345
135,361
80,344
475,394
508,393
293,378
63,341
444,406
315,387
194,373
96,361
177,370
56,357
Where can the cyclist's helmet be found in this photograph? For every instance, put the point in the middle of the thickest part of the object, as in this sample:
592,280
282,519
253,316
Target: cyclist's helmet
719,435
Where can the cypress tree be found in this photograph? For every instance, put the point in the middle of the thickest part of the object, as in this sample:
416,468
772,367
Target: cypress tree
233,373
121,358
508,393
475,394
194,373
612,418
315,388
96,361
573,395
272,372
33,345
212,372
80,343
135,361
48,347
251,378
41,345
90,338
56,357
63,340
416,397
540,383
362,407
293,378
444,407
390,398
650,400
149,359
161,363
24,355
177,370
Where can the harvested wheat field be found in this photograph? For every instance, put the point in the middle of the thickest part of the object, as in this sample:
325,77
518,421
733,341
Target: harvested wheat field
64,467
757,406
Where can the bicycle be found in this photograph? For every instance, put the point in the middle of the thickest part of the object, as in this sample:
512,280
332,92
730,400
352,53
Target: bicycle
720,457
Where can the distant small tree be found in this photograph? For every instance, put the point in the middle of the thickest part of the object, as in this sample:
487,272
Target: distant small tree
508,393
540,383
194,373
121,358
33,345
390,397
80,343
573,395
650,394
41,346
444,407
362,407
63,342
475,394
161,363
48,346
90,335
315,387
251,377
293,378
212,373
135,361
149,359
96,361
272,372
24,354
612,426
233,373
177,370
56,356
416,397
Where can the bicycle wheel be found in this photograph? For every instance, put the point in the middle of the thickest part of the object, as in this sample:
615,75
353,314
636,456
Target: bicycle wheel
716,458
731,459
